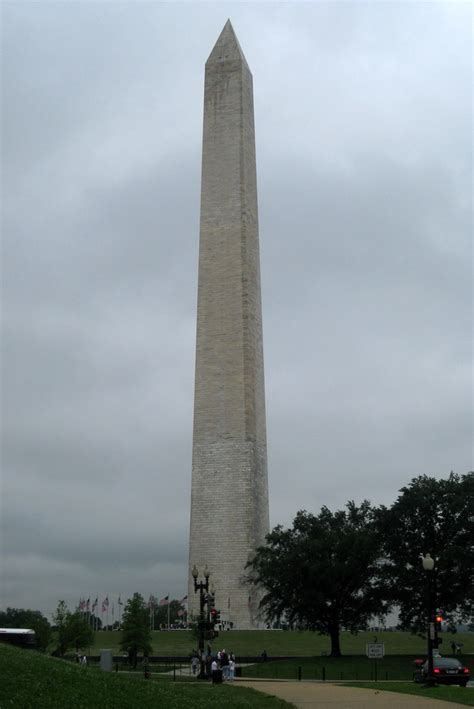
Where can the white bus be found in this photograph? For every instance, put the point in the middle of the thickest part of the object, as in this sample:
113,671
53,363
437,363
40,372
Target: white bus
23,637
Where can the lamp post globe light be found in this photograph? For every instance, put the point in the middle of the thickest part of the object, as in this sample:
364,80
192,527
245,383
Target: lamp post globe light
429,566
203,588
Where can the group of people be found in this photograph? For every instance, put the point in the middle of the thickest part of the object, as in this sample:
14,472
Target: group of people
226,662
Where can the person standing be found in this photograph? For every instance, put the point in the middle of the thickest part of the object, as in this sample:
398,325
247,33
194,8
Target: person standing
224,660
216,673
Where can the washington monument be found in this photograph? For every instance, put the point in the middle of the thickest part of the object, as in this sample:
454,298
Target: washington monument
229,495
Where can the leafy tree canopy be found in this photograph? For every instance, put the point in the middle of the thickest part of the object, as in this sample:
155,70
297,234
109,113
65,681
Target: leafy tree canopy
136,634
25,618
436,517
323,573
79,632
73,630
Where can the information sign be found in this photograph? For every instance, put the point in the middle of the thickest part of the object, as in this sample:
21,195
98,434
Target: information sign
375,650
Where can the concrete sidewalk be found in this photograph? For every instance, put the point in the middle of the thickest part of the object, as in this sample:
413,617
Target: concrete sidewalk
306,695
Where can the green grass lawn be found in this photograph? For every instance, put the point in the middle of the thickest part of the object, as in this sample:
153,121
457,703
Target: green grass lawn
30,680
277,642
448,694
392,667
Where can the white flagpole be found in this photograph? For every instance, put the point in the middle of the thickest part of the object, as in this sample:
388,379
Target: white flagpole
168,611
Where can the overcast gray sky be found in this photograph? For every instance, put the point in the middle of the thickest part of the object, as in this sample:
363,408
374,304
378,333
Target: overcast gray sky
363,124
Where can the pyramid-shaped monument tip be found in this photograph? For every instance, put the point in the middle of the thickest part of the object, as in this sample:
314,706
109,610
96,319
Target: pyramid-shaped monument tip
227,46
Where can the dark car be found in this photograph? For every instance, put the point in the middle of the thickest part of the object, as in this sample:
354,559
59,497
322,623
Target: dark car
447,670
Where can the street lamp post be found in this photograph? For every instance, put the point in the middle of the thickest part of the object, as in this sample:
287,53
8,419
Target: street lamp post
203,588
428,565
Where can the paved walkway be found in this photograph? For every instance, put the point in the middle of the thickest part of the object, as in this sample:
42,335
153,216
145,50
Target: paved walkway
306,695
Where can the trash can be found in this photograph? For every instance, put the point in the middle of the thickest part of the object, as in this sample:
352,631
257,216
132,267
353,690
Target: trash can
216,676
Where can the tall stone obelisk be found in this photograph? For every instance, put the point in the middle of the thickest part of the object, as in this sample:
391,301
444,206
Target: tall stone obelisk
229,496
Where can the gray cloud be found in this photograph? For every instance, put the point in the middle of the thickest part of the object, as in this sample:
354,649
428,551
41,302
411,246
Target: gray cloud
364,171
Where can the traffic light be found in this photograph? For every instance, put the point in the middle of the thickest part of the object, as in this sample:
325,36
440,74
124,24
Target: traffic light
215,615
438,627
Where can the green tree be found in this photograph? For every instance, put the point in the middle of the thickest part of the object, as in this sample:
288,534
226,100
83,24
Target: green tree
436,517
78,633
60,618
136,634
25,618
323,573
73,630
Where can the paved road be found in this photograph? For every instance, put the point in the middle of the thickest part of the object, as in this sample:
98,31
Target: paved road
306,695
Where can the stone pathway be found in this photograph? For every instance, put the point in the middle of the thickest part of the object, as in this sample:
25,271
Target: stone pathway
306,695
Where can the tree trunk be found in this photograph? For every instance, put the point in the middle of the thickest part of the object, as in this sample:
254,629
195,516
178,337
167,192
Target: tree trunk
335,646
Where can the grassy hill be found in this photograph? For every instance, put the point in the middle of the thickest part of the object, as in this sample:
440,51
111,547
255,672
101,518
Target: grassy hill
30,680
276,642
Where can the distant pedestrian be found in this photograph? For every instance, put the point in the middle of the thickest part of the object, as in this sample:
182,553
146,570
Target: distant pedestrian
264,656
84,660
453,648
224,662
194,664
231,673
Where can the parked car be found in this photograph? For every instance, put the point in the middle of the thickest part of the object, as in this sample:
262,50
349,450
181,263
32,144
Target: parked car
446,670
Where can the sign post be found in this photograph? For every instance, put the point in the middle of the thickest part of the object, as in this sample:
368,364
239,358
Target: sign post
375,651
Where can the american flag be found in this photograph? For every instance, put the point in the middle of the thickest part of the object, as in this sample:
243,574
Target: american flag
95,604
164,601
